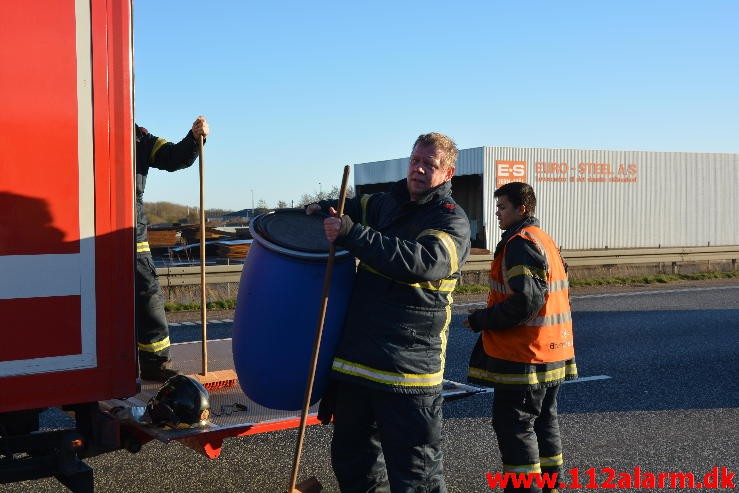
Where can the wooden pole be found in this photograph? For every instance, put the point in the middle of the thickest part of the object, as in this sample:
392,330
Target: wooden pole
317,340
203,309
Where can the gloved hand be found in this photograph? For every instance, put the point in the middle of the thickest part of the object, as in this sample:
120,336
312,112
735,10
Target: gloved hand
328,403
469,322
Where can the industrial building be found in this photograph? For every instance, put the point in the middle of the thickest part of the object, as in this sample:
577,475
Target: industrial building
594,199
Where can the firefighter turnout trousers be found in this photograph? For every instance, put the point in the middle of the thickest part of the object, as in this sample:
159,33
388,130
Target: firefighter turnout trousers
151,321
387,442
526,424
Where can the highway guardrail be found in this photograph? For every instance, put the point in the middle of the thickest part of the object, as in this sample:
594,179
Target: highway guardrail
216,274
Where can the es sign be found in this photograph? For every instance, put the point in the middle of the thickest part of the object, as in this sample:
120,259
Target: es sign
508,171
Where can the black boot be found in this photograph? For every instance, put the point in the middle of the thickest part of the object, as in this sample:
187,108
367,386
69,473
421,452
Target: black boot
158,372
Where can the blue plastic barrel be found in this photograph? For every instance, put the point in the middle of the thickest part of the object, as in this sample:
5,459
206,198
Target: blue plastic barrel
278,306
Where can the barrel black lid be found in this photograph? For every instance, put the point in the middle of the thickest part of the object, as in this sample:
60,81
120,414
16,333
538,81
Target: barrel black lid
293,229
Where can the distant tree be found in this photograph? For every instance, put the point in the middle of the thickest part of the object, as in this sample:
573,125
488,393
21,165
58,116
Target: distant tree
281,204
261,207
216,212
167,212
333,194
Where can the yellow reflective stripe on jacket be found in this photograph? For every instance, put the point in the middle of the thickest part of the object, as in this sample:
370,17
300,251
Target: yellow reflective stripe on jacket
524,378
363,201
555,460
527,270
532,468
388,377
444,335
154,347
448,243
157,145
442,285
142,247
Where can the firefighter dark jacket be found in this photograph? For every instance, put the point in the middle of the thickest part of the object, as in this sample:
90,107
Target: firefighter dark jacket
155,152
526,339
410,255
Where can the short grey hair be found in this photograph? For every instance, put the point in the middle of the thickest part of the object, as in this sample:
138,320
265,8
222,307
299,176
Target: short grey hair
446,145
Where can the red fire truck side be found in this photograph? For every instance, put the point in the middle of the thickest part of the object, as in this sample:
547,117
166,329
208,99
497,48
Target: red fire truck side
67,251
66,230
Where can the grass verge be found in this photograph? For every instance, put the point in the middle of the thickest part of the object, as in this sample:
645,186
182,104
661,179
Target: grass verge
230,304
619,281
211,305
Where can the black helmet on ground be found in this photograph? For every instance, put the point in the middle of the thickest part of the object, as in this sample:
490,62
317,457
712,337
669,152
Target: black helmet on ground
182,402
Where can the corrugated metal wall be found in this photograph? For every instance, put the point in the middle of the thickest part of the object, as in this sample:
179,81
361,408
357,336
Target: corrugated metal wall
667,199
606,199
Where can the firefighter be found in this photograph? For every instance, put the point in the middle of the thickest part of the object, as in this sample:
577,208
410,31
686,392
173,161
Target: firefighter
151,322
385,396
525,350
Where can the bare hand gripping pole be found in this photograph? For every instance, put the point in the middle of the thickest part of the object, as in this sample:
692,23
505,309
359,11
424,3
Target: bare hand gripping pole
317,340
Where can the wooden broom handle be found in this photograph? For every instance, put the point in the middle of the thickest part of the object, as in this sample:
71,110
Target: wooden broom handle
317,340
203,309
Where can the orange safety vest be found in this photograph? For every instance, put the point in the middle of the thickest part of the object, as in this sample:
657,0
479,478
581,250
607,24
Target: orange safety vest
548,336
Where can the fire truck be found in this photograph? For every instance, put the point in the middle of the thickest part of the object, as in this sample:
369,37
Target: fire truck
67,253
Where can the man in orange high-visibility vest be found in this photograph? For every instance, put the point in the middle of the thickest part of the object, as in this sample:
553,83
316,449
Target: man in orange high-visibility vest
525,350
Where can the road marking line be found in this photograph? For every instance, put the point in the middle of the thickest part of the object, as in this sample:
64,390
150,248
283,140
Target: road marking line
470,304
588,379
179,324
634,293
489,390
655,291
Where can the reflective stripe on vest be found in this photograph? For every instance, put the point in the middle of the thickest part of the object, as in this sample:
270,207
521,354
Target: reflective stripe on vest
548,336
534,378
142,246
552,287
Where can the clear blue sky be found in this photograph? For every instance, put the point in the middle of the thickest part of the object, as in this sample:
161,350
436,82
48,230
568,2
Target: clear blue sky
293,91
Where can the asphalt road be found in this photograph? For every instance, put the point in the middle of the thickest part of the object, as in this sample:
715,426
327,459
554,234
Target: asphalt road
660,392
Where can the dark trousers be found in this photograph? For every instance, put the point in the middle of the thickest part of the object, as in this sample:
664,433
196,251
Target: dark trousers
386,442
527,427
151,321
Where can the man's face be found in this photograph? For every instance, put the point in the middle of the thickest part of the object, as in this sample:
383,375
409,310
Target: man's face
425,170
508,215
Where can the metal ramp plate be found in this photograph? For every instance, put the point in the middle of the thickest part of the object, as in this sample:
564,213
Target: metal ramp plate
232,412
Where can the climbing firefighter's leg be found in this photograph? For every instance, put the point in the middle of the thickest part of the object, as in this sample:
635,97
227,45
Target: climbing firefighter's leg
151,322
